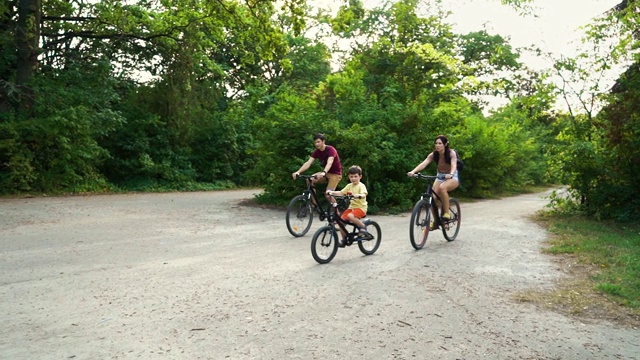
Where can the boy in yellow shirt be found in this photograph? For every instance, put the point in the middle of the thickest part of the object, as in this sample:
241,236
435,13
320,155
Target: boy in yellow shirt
358,206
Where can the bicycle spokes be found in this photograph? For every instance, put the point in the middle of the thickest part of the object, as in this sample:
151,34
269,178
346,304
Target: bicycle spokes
420,218
299,216
452,226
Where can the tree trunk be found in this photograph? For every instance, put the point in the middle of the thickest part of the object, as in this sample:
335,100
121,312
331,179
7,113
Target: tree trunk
27,36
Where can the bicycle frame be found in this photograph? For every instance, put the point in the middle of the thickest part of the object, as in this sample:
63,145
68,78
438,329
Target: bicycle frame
431,205
334,219
311,194
302,207
433,197
326,241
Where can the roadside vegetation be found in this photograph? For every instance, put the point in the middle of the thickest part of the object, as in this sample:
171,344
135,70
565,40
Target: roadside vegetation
613,250
601,261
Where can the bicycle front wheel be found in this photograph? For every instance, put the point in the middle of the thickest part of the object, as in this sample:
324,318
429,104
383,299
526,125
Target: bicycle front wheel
324,244
419,230
451,227
299,216
368,247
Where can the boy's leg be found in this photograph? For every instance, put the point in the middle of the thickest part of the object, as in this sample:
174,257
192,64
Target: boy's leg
344,216
354,219
355,216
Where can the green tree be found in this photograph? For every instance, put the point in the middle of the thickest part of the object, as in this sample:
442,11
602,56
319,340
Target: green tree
202,57
596,157
406,80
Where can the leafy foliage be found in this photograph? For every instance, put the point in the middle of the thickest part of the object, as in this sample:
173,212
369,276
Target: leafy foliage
147,95
596,151
391,99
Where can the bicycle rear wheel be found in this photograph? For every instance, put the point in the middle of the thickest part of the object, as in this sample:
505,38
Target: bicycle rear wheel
451,227
324,244
419,230
299,216
368,247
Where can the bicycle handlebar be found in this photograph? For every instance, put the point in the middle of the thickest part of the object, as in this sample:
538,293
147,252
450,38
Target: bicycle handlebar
340,197
301,176
426,177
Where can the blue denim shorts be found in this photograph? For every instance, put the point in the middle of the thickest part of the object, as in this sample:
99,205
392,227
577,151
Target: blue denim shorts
442,175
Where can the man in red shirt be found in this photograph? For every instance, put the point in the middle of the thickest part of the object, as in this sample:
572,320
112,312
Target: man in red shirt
329,160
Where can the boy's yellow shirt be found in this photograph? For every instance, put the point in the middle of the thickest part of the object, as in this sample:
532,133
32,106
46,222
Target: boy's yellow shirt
360,188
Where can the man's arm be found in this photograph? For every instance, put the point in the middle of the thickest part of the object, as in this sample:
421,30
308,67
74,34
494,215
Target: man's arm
329,164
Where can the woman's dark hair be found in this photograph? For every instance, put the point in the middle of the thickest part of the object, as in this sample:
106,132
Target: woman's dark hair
319,136
447,150
355,169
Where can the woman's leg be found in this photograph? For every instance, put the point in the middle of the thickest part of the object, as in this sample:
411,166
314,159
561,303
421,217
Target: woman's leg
442,188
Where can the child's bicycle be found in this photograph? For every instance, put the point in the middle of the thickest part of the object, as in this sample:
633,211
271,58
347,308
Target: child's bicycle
325,242
421,217
301,208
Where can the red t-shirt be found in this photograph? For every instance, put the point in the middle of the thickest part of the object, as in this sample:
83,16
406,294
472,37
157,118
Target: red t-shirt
329,151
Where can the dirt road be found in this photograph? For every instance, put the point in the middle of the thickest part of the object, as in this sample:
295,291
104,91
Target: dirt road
199,276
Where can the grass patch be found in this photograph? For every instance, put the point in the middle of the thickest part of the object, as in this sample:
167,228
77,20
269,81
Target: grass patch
611,249
602,260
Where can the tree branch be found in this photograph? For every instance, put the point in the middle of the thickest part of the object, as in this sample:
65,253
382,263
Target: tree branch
68,18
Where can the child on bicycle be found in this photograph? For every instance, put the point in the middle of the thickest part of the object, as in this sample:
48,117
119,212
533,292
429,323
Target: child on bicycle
358,206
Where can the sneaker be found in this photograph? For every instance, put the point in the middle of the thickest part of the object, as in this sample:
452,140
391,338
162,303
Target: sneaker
446,216
432,225
341,243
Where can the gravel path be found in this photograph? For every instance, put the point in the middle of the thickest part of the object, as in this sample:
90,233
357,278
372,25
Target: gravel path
199,276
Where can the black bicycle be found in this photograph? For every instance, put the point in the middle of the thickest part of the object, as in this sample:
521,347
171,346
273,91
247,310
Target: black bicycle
301,208
426,208
324,244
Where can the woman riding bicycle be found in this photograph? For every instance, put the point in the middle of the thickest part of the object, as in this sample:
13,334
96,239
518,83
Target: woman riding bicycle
446,160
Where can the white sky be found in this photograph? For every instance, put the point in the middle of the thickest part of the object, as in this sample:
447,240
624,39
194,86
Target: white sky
555,29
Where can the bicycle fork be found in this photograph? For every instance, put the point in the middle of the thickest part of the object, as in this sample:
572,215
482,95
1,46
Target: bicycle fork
333,237
429,216
432,215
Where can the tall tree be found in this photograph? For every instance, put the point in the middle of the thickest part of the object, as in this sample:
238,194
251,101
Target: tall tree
27,37
132,33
